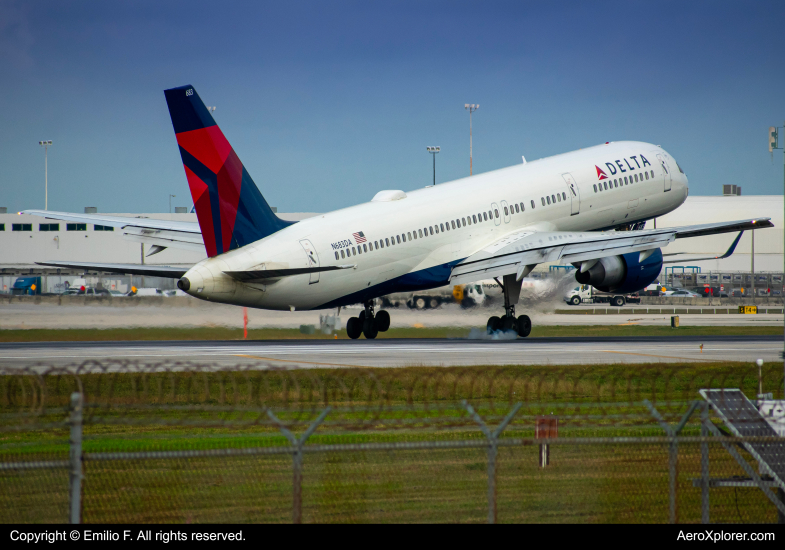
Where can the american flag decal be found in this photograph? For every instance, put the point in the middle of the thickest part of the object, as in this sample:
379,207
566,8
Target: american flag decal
359,237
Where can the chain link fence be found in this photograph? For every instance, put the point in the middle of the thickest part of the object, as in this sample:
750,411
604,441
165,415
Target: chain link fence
128,442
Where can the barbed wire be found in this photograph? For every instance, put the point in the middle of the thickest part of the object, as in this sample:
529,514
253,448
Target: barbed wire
209,394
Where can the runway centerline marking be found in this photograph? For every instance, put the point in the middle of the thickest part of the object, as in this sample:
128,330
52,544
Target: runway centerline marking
305,362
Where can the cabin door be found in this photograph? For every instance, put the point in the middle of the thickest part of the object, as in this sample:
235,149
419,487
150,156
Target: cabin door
666,172
506,211
312,259
495,210
573,193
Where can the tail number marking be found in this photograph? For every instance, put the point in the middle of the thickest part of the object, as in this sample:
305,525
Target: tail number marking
189,91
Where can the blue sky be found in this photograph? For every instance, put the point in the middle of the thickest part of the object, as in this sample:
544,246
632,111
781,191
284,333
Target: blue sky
328,102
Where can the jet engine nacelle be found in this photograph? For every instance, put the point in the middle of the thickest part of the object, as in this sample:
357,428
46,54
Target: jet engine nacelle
622,274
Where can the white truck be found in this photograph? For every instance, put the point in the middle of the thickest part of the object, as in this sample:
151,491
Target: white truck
587,294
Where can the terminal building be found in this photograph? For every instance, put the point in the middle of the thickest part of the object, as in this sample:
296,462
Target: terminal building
25,240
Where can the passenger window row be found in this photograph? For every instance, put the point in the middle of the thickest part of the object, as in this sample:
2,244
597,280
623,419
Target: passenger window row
621,182
421,233
516,208
553,199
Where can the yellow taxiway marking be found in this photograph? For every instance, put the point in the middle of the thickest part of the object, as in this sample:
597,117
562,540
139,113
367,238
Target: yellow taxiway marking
301,362
660,356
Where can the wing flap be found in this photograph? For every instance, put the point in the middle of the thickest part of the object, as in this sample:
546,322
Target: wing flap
164,238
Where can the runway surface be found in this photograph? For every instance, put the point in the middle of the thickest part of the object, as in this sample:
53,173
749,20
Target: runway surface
403,352
205,314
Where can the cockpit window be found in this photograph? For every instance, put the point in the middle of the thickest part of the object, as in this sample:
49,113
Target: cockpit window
679,167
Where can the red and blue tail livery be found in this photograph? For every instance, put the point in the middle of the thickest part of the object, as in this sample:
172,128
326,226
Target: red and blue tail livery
231,211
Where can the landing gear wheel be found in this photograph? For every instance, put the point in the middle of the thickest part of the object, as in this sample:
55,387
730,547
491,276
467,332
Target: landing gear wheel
494,324
433,303
574,301
618,301
361,317
419,303
524,326
382,321
354,327
369,329
509,324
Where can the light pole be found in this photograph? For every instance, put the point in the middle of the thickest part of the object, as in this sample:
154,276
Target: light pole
773,144
471,107
45,144
433,151
170,202
211,110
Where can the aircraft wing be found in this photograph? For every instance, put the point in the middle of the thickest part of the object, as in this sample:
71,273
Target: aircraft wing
160,234
171,272
518,252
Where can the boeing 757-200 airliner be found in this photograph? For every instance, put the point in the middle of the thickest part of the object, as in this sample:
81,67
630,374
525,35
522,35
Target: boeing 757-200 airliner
579,208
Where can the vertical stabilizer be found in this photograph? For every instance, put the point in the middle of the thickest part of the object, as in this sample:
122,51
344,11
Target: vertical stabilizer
231,211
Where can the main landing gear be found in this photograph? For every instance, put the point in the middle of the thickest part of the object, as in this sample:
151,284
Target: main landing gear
522,325
367,323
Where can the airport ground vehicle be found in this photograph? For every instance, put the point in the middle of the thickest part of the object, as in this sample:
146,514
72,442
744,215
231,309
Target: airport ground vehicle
91,291
587,294
29,286
654,289
682,293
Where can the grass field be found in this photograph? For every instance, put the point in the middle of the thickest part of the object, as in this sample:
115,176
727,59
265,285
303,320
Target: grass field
222,333
585,483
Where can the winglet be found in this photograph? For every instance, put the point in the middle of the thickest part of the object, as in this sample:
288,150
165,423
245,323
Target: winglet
728,252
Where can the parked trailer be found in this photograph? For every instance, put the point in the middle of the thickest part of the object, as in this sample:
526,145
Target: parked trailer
465,295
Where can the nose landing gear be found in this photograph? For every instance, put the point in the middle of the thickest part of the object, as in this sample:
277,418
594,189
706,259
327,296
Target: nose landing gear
367,323
522,325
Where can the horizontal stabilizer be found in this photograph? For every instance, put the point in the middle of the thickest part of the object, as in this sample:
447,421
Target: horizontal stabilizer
261,274
130,269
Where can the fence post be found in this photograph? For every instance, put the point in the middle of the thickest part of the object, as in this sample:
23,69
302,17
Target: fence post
492,450
780,515
297,460
75,458
493,438
704,465
673,453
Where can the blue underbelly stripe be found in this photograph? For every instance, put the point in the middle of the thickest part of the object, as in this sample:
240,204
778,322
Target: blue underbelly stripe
433,277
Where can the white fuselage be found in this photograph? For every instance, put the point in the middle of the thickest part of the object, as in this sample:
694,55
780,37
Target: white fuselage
425,261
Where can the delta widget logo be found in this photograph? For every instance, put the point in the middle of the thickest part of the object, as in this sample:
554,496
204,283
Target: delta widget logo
600,174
